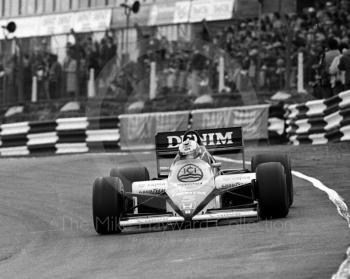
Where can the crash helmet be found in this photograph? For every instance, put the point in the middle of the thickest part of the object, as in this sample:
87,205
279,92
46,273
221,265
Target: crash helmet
189,149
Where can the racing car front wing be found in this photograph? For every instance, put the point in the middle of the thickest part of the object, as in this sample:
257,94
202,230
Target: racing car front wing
245,214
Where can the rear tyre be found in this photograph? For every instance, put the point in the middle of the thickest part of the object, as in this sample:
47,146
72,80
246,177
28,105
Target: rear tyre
128,175
107,204
271,190
280,158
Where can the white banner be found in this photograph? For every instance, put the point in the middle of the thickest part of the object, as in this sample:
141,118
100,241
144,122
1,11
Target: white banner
98,20
86,21
64,23
2,23
47,25
161,14
26,27
252,119
211,10
152,19
190,11
201,9
139,130
182,12
55,24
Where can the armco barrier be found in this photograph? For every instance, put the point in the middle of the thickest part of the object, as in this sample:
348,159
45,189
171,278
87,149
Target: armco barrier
321,121
80,135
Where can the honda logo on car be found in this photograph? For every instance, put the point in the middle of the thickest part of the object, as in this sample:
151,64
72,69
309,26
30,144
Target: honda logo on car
207,139
190,173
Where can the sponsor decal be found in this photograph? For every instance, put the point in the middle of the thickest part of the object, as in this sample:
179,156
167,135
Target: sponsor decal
225,182
153,191
174,141
232,185
184,184
149,187
207,139
190,173
188,206
188,193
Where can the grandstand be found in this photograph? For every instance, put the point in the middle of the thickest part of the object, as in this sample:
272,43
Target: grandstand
170,55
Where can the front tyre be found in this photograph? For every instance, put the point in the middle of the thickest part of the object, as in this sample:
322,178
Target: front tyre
271,191
107,204
130,174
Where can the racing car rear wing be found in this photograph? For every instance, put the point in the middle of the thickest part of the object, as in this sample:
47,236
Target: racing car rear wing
221,140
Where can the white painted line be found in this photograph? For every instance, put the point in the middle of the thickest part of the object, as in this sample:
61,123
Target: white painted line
334,197
343,210
344,269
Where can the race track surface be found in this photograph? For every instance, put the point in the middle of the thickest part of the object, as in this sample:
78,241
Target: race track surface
47,231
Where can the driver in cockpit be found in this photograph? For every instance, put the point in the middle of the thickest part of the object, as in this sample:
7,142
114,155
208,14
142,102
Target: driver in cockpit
189,149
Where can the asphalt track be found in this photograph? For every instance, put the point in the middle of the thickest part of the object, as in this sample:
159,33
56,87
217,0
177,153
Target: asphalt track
46,226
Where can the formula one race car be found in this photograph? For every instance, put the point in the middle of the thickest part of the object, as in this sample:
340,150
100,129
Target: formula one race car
194,188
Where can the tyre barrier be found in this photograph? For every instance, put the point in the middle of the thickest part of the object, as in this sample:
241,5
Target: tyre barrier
84,134
276,124
62,136
320,121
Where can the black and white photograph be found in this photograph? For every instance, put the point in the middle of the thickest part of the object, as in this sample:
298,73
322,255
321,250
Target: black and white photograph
194,139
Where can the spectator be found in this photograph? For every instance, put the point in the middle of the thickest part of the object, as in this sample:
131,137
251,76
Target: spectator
104,57
197,66
280,72
40,71
112,48
336,74
311,57
331,53
27,77
244,84
92,56
181,58
70,72
83,73
2,80
325,63
344,65
55,77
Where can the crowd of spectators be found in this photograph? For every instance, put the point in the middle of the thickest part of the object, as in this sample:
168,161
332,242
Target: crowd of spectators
55,80
259,55
272,57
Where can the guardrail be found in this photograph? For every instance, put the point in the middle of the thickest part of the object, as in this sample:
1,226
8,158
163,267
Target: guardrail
83,134
321,121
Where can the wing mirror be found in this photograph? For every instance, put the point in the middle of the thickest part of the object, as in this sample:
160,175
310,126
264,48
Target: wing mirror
164,170
216,165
